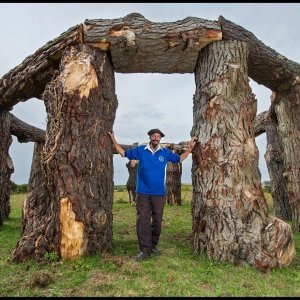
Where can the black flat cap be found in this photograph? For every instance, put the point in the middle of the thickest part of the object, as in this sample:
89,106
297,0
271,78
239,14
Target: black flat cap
156,130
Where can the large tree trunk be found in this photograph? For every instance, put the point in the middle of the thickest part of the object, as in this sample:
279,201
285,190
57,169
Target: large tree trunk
230,218
173,183
77,156
266,122
6,165
139,45
287,108
34,213
274,157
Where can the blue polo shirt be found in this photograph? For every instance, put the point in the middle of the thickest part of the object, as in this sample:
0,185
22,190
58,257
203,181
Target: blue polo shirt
151,173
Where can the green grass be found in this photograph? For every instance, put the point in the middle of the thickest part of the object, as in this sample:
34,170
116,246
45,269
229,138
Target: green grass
177,272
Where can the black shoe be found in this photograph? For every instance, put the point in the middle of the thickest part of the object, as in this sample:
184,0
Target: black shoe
155,251
142,256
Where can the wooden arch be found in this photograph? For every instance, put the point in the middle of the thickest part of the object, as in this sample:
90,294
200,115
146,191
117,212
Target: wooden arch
69,206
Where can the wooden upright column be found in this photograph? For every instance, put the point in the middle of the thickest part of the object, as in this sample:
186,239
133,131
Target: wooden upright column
230,218
77,158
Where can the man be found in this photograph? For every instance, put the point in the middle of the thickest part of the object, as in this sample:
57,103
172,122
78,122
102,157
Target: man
150,187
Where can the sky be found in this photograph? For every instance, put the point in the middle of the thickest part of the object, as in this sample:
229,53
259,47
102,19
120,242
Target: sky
146,100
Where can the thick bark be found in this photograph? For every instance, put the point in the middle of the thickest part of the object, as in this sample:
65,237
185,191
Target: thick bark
287,109
138,45
266,122
260,123
265,65
230,218
274,157
77,157
28,80
173,183
132,166
34,213
6,165
25,132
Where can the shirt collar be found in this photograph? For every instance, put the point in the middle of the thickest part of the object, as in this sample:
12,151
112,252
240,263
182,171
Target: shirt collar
147,147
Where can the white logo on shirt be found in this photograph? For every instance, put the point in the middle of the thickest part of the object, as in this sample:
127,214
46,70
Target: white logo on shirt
161,158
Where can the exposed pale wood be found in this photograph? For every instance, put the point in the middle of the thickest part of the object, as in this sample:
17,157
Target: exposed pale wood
6,165
138,45
230,217
287,109
265,65
28,80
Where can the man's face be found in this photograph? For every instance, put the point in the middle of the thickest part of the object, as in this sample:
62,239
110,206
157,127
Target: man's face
155,138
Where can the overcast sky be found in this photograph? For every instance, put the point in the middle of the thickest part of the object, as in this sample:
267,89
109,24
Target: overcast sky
145,100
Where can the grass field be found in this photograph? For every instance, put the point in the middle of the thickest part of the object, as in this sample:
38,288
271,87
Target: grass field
177,272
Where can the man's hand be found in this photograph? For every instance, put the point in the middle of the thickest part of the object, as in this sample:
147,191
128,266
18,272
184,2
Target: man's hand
193,142
116,145
112,135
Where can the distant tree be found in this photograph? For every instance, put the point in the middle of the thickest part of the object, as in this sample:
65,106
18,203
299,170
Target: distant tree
267,186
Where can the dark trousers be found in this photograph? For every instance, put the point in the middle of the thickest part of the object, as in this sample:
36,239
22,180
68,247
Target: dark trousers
149,213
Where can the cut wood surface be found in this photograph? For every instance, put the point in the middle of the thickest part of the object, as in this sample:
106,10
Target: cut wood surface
139,45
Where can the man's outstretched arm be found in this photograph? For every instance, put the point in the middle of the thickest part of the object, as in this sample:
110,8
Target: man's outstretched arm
116,145
192,144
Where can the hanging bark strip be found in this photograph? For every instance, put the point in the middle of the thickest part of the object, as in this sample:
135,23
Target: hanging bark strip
230,218
6,165
77,156
287,109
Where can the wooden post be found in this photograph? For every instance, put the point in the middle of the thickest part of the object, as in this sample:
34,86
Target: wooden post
287,108
6,165
132,166
230,217
77,157
274,157
173,183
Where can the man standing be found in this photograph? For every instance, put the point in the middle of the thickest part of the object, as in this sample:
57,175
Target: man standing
150,187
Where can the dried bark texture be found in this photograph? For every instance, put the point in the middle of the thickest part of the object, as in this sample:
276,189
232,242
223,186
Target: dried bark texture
6,165
260,123
25,132
173,183
230,218
265,65
35,213
274,157
266,122
77,156
138,45
132,166
28,80
287,109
